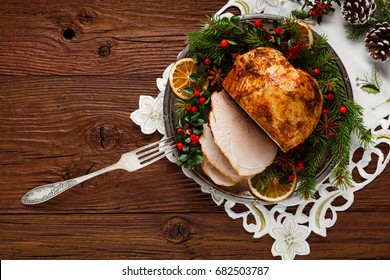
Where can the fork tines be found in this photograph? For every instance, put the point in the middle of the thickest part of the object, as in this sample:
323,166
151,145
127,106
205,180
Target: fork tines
155,151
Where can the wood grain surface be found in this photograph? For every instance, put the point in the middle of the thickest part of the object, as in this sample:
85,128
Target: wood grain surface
65,107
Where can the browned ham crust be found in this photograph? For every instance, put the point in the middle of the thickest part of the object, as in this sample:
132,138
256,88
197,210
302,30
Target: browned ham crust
284,101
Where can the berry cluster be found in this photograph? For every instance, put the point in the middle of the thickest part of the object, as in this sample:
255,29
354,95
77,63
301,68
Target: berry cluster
193,114
320,8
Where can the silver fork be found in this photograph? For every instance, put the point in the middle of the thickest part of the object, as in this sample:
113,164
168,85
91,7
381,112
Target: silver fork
130,161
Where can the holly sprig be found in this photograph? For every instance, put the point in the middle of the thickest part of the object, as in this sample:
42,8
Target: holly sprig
315,9
217,44
370,85
192,113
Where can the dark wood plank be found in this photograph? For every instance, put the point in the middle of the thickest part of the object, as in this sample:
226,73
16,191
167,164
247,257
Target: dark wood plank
167,236
56,128
111,37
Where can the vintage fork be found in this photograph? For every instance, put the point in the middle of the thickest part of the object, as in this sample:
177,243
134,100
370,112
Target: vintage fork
130,161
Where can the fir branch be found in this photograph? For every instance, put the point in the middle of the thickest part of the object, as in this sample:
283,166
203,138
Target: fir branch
318,144
354,121
340,177
382,12
356,31
256,39
306,187
203,43
330,80
266,177
340,145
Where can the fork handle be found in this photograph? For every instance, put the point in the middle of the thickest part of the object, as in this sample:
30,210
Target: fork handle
46,192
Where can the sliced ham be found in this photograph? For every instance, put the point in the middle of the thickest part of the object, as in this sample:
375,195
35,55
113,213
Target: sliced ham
215,157
248,149
217,177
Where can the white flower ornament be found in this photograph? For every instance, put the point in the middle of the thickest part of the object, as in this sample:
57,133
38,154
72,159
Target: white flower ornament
150,114
290,240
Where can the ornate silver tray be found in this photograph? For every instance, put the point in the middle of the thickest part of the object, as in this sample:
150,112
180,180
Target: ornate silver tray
241,193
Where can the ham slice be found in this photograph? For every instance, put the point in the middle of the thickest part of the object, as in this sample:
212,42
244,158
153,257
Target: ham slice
217,177
248,149
216,157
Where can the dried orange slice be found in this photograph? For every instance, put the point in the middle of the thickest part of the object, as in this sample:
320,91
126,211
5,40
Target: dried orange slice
306,33
179,76
275,191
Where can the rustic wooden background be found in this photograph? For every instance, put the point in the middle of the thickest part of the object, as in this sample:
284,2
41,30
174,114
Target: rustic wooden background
65,104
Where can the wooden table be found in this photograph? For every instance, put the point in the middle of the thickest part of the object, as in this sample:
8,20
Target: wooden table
71,72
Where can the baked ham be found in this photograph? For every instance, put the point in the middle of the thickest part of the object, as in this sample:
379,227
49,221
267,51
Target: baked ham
285,102
216,158
247,148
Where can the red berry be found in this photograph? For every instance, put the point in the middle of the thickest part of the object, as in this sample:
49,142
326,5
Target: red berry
317,71
330,134
196,93
207,61
258,23
194,109
224,43
330,96
179,145
202,100
320,6
194,139
188,107
343,110
325,111
278,30
301,164
291,177
313,13
179,130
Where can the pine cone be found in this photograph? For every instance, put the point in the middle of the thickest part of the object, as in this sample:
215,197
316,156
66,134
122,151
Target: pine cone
378,42
357,11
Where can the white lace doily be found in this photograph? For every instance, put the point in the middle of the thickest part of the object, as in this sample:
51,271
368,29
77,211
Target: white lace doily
290,228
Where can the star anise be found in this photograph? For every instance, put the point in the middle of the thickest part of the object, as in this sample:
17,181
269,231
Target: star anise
215,76
328,126
285,160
